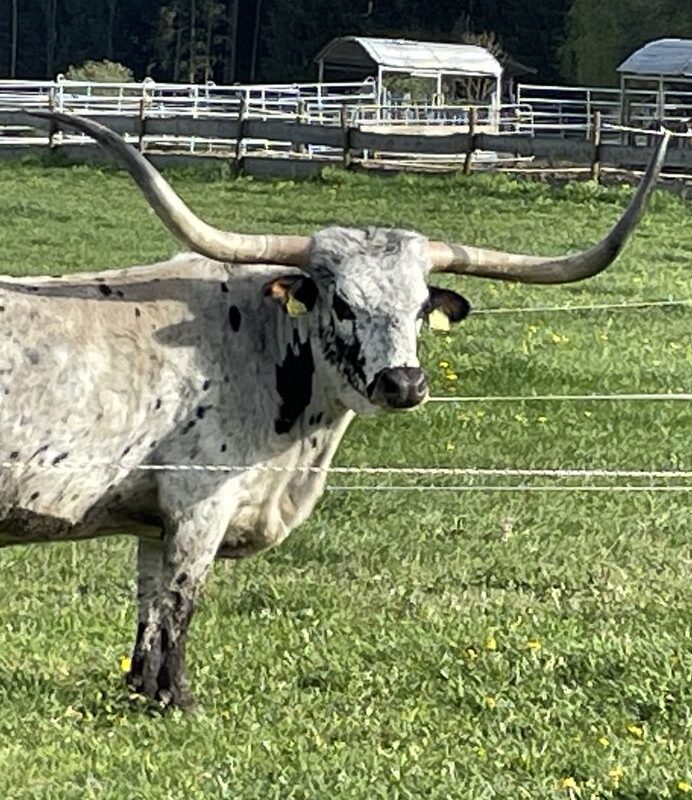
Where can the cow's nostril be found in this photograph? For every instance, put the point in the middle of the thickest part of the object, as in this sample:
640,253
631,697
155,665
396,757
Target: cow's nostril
399,387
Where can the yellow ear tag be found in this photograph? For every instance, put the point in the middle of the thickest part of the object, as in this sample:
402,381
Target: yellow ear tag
295,308
438,320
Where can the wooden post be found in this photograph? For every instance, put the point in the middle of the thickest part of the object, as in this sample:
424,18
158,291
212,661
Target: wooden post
345,138
141,125
596,158
302,117
473,118
53,129
242,115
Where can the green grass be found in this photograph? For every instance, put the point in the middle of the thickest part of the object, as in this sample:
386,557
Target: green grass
400,644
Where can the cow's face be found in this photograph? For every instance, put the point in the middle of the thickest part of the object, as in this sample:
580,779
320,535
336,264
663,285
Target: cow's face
367,297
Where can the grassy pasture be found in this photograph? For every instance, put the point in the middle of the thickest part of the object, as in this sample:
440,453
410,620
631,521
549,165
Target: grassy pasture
480,644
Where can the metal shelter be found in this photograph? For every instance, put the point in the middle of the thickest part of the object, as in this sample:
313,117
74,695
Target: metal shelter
361,57
656,84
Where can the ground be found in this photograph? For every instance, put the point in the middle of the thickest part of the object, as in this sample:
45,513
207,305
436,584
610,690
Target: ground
405,644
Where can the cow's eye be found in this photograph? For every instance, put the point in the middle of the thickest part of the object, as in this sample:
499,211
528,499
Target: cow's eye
342,308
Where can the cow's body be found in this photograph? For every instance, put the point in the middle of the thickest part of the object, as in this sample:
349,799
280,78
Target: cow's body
176,364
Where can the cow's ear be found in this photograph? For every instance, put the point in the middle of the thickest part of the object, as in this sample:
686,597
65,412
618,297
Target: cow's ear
445,307
296,294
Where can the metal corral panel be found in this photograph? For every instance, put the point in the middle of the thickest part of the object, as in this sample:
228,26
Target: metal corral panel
672,57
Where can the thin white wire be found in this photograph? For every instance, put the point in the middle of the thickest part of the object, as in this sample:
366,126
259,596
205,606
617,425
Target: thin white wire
596,307
501,488
514,398
414,471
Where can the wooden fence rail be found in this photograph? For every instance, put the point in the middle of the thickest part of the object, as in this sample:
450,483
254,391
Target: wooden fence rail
294,147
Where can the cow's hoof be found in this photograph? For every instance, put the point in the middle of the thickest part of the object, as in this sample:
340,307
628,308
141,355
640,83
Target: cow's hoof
179,697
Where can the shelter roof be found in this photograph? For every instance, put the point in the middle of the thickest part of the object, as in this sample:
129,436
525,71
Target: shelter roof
670,57
362,52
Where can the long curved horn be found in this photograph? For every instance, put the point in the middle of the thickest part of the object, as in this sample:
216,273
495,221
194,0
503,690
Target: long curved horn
482,263
177,217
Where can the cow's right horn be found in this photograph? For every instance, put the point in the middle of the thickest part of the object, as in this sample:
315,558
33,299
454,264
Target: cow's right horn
178,218
464,260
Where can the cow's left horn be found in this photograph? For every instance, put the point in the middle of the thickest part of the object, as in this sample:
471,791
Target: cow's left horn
178,218
482,263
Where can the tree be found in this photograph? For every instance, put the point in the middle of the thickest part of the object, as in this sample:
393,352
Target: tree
601,35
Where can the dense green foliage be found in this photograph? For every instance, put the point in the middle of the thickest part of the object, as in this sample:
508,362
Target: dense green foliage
601,35
231,40
276,40
431,644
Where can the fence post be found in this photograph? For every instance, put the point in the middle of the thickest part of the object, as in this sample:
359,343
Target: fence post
141,124
242,115
596,158
345,137
473,119
301,117
53,128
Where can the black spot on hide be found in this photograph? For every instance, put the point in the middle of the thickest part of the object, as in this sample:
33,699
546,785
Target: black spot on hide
345,355
127,450
201,411
138,313
206,385
189,425
14,455
120,293
59,458
224,287
294,383
234,318
34,496
2,308
341,308
224,448
32,355
105,290
157,404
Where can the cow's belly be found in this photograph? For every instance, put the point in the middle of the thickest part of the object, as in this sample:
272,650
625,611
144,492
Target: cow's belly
74,510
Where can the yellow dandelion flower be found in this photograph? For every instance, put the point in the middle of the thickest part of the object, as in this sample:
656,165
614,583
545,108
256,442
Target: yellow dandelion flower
125,663
443,364
490,643
533,328
490,702
616,773
471,654
450,446
684,787
451,376
569,783
604,742
541,419
588,414
533,644
635,731
556,338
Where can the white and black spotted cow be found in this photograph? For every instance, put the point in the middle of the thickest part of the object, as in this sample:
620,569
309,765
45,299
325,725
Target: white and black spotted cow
204,360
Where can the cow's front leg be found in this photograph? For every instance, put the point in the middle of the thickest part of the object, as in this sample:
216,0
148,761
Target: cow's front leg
171,575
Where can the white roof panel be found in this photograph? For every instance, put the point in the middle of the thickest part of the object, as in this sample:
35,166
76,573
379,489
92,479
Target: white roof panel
405,54
672,57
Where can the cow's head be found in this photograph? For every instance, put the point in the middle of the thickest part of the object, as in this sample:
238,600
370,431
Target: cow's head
367,290
366,296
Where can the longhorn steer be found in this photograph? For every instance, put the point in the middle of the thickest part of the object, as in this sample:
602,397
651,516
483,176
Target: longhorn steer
200,360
